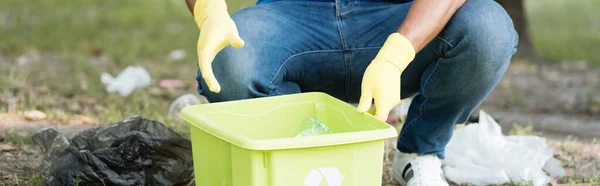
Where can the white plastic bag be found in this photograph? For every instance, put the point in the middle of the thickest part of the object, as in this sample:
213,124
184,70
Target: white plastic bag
479,154
182,102
131,78
401,110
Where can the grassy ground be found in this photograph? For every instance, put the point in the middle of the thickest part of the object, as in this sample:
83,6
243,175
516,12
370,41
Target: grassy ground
64,46
53,52
566,30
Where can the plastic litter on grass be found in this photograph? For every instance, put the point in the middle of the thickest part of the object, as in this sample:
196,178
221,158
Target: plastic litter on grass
479,154
133,77
135,151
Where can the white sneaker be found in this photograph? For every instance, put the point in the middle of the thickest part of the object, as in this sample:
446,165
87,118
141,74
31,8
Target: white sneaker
418,170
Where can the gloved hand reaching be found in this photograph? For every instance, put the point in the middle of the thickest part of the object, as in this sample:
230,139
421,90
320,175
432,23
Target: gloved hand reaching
381,80
217,30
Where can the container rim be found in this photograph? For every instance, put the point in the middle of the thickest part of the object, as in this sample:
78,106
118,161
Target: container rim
242,141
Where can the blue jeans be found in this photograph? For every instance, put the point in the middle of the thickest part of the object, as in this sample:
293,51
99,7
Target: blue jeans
303,46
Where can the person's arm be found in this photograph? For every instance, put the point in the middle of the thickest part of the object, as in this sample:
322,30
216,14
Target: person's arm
426,19
190,5
381,81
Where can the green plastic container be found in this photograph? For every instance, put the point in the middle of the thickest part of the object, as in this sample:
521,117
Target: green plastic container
252,143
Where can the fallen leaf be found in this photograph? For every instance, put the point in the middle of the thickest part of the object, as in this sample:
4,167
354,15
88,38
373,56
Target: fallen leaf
35,115
7,148
86,119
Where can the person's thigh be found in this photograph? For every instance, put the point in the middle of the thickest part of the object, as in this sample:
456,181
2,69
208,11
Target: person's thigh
366,27
290,47
478,44
450,77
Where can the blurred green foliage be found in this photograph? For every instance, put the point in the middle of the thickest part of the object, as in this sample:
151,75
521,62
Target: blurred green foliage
120,33
566,29
134,29
127,30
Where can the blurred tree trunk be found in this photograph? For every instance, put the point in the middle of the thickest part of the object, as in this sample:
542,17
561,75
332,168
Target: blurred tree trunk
516,10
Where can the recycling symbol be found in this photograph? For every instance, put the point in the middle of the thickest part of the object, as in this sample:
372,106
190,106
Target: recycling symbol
332,177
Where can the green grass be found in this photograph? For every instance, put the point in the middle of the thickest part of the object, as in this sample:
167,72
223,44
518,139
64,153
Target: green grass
37,179
126,30
144,32
566,29
136,32
579,179
520,130
16,138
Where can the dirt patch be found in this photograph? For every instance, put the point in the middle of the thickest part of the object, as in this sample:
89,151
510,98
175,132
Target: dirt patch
20,157
70,126
576,157
564,89
559,98
19,164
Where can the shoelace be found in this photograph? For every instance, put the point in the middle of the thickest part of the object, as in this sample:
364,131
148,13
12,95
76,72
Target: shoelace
427,171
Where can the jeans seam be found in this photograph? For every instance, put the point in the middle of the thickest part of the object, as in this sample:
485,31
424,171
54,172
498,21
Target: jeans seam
346,10
445,41
344,53
310,52
364,48
296,55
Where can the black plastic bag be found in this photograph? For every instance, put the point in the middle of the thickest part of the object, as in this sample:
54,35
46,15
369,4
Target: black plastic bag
135,151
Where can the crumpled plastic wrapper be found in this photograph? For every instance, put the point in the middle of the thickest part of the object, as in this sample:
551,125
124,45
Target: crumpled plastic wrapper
313,127
135,151
479,154
131,78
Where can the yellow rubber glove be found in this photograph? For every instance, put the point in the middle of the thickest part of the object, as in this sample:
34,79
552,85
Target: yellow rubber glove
381,80
217,30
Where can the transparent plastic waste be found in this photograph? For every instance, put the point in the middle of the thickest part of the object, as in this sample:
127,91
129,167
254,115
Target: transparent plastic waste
479,154
313,127
182,102
133,77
